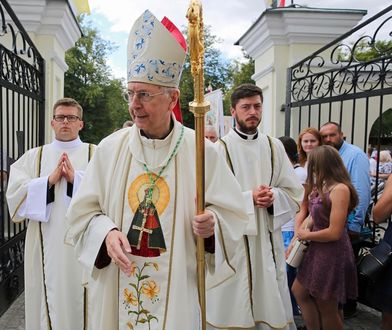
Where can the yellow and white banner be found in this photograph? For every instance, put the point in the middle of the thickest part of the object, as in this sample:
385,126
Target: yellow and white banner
82,6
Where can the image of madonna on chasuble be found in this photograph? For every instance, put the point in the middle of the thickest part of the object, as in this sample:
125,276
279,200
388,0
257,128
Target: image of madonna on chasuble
146,189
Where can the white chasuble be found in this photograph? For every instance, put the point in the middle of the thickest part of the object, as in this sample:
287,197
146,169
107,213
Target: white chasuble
263,269
161,292
151,230
54,295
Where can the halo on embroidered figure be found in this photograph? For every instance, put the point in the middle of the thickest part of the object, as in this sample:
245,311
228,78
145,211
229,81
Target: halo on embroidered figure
160,194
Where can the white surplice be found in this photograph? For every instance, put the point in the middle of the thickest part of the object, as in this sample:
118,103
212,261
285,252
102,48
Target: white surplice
57,266
161,292
263,268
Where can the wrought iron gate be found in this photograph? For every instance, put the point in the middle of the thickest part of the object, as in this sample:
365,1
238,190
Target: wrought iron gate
338,82
348,81
21,128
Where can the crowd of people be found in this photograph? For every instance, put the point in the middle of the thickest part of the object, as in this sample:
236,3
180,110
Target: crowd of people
327,276
111,243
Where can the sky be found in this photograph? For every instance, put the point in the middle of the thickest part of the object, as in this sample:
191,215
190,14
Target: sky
229,19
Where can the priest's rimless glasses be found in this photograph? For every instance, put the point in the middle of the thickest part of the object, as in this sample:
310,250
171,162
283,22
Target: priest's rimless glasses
142,96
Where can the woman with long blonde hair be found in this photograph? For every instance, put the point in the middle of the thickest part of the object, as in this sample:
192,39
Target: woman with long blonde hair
327,274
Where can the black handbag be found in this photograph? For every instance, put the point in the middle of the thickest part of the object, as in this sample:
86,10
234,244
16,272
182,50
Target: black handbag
372,262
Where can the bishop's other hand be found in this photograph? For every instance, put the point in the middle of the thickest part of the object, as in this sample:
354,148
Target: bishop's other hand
204,224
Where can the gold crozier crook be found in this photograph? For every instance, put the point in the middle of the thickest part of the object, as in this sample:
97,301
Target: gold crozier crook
199,107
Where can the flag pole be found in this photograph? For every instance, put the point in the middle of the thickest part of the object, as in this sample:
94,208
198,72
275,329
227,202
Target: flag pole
199,107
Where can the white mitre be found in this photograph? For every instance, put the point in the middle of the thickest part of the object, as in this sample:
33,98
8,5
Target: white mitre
154,55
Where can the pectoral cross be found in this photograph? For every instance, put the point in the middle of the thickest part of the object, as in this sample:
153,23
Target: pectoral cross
142,229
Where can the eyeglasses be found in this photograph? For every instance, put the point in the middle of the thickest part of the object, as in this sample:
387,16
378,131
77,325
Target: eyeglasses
142,96
70,118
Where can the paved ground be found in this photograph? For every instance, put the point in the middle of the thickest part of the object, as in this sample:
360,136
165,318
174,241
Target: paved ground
13,318
366,319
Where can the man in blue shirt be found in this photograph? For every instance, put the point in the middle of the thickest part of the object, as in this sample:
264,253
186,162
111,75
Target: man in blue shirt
357,165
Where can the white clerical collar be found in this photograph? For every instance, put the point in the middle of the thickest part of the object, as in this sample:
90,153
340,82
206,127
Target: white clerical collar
247,136
67,144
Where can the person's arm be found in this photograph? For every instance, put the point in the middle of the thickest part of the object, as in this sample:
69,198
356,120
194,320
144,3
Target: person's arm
383,207
385,170
117,245
287,190
301,216
361,182
88,225
299,222
384,175
27,195
340,200
41,195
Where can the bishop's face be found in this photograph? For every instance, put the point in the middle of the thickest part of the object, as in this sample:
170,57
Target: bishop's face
247,114
152,114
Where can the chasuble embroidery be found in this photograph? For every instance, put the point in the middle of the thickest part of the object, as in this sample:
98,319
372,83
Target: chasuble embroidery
145,233
149,216
142,286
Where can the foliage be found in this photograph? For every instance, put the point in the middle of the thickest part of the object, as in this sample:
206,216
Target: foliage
365,51
219,73
216,73
386,126
241,73
88,80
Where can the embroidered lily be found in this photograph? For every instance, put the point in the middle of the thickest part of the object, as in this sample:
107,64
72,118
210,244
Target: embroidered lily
130,298
150,289
138,287
133,269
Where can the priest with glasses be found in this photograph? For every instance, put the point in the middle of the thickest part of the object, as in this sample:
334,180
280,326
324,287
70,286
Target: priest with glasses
42,183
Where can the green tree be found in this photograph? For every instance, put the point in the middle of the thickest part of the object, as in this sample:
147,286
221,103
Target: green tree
89,81
216,73
386,126
240,73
